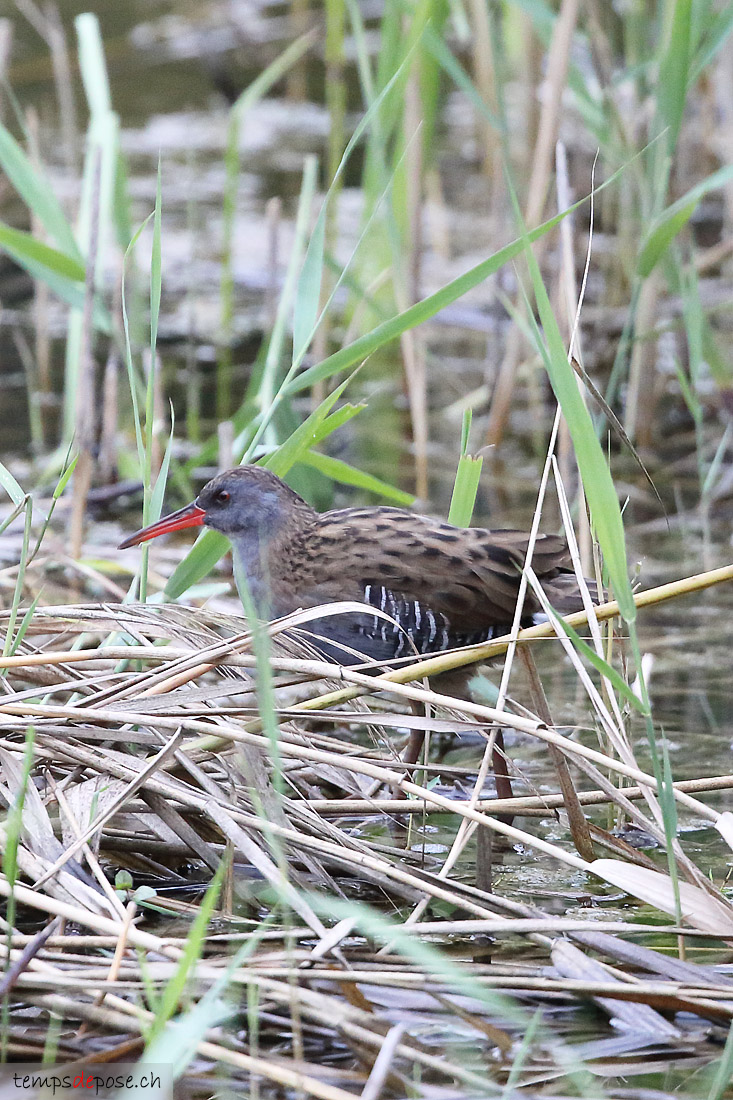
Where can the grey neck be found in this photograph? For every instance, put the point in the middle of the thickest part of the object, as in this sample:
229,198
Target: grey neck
252,574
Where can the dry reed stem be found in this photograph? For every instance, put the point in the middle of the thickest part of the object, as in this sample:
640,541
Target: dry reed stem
302,830
351,1021
94,977
395,779
521,805
119,1020
465,831
707,995
388,681
343,854
225,733
707,998
667,994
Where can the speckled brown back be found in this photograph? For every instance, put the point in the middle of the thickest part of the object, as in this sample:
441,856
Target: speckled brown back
444,585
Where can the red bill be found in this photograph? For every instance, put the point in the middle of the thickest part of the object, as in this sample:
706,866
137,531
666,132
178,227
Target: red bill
190,516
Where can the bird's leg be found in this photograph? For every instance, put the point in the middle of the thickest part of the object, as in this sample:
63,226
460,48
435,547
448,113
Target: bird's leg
501,774
411,755
455,683
579,827
416,740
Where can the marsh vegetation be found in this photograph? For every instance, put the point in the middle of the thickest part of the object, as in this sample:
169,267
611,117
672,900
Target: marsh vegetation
470,257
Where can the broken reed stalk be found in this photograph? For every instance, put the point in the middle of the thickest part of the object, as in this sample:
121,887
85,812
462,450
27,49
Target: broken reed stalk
431,666
163,783
524,805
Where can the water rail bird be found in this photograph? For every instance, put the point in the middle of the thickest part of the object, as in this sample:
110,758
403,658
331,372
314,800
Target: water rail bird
432,586
436,585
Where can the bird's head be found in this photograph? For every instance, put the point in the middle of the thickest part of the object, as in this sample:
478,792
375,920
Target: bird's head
246,500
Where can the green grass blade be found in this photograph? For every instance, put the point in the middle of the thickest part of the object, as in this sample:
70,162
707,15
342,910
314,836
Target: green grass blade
594,471
437,46
345,474
63,274
66,471
24,624
11,487
274,72
428,307
131,379
606,670
200,560
666,227
308,292
156,266
712,40
723,1070
36,193
147,469
674,69
521,1057
65,478
465,486
275,350
20,578
91,63
12,516
309,432
156,497
14,822
668,805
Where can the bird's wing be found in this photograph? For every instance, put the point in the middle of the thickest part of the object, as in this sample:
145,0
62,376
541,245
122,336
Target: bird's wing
387,558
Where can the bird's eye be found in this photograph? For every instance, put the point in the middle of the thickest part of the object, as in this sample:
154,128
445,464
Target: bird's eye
222,496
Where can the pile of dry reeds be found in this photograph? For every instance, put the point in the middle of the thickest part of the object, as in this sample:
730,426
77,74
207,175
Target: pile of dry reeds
163,745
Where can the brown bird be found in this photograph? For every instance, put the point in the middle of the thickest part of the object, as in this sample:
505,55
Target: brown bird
441,586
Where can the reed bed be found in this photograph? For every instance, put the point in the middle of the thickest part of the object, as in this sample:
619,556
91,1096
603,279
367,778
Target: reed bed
129,749
213,856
